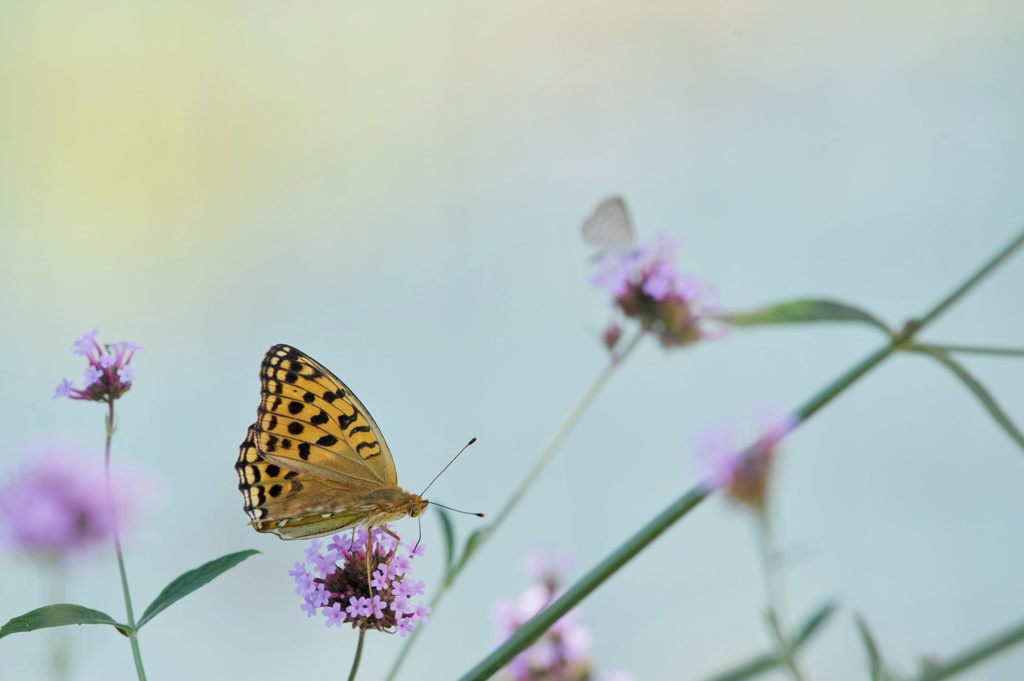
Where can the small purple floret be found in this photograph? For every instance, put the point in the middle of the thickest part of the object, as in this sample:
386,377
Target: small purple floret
333,579
109,373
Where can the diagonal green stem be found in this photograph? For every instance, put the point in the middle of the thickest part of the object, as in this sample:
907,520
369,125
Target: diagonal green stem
774,590
133,637
358,656
976,654
563,432
538,466
535,627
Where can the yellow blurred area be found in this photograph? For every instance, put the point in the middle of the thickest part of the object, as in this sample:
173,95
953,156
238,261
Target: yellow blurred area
119,115
125,115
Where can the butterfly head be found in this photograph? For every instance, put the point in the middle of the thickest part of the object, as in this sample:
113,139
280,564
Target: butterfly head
417,505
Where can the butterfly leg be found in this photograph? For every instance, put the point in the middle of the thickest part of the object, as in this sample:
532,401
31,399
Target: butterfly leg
398,540
369,552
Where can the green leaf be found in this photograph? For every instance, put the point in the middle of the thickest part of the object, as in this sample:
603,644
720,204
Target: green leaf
762,664
766,662
811,625
975,386
977,350
874,657
60,615
978,653
803,312
448,531
472,543
192,580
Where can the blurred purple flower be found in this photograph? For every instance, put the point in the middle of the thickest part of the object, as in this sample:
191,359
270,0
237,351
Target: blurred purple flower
645,284
335,582
744,473
563,653
56,504
109,373
549,566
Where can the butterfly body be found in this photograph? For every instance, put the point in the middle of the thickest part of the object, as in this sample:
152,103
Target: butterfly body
315,461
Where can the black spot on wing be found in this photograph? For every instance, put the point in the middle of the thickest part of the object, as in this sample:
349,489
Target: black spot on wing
367,445
346,421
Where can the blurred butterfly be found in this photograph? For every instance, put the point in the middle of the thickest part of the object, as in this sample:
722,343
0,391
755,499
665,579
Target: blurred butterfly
315,461
609,227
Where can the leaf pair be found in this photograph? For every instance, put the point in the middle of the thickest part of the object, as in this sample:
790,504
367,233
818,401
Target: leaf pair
766,662
817,310
64,614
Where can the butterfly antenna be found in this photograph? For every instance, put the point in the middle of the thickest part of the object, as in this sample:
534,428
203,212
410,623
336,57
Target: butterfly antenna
478,515
419,537
446,467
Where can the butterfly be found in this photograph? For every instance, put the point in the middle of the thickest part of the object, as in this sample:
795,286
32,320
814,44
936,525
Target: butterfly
315,461
609,227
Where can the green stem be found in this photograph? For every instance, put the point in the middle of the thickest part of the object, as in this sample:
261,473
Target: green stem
133,637
976,654
358,657
538,466
774,592
563,431
535,627
971,349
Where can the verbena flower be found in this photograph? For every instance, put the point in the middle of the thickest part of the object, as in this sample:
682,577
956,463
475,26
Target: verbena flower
109,373
743,473
563,653
332,580
645,284
54,504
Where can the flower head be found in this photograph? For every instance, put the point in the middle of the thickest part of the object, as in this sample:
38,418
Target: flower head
55,503
109,373
549,566
744,473
564,651
335,582
645,284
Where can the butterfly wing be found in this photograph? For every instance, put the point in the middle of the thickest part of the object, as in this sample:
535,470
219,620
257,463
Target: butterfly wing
609,226
310,422
291,504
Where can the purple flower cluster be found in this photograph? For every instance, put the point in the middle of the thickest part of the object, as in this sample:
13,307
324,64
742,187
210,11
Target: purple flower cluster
55,504
109,373
646,284
563,653
333,581
744,473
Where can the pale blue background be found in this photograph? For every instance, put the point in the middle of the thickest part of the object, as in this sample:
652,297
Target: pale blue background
398,191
